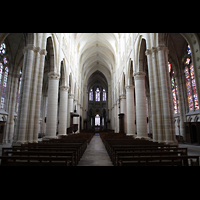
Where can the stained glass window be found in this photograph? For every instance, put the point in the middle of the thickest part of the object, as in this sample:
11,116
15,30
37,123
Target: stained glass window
174,89
18,91
104,95
3,74
190,82
97,95
3,48
91,95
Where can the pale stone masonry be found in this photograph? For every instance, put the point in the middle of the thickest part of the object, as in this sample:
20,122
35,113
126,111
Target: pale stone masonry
131,67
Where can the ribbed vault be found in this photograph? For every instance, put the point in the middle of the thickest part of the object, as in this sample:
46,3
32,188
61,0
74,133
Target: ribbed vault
96,51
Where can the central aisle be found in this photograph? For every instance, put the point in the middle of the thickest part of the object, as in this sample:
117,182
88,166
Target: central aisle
95,154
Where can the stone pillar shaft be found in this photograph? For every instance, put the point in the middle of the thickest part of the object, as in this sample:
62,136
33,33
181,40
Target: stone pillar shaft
43,52
141,108
130,107
165,98
62,128
29,55
51,122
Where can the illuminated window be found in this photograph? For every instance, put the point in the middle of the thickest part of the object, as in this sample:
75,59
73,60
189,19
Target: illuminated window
97,95
104,95
174,89
193,102
91,95
3,74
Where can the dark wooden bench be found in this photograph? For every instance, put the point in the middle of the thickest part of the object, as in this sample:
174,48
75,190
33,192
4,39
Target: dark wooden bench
39,152
73,151
35,161
161,161
78,146
126,156
111,149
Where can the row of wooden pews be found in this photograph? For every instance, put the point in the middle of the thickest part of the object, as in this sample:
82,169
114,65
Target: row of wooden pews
66,151
127,151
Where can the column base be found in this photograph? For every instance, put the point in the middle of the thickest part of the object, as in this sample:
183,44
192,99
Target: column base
59,136
143,138
171,142
49,137
134,135
18,143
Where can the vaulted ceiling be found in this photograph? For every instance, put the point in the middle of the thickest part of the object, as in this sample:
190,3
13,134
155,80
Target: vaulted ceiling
96,51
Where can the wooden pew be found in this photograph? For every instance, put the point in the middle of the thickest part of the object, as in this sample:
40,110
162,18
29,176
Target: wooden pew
126,156
64,151
112,148
34,161
77,146
160,161
39,152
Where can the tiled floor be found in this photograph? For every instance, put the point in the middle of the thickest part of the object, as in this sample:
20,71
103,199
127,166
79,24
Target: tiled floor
95,154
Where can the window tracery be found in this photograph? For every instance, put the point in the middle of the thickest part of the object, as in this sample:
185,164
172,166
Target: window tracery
97,95
104,95
3,74
91,95
193,103
174,89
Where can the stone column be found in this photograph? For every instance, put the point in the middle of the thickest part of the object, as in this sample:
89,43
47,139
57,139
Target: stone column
79,112
28,59
62,127
12,103
43,53
51,122
70,108
130,108
141,109
157,94
123,110
32,98
149,113
167,128
152,93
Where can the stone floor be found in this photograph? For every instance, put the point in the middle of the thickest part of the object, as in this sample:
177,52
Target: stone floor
95,154
193,149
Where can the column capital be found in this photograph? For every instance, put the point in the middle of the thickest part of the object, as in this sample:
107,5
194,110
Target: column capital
148,52
43,52
129,87
36,49
122,96
154,49
162,48
28,47
139,75
70,96
54,75
64,88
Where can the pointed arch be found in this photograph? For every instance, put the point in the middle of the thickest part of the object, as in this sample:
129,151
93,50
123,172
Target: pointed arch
65,66
129,74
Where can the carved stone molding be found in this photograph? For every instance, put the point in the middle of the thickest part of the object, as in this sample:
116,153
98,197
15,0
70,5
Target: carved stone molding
64,88
122,96
43,52
54,75
70,96
129,87
139,75
148,52
36,49
28,47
